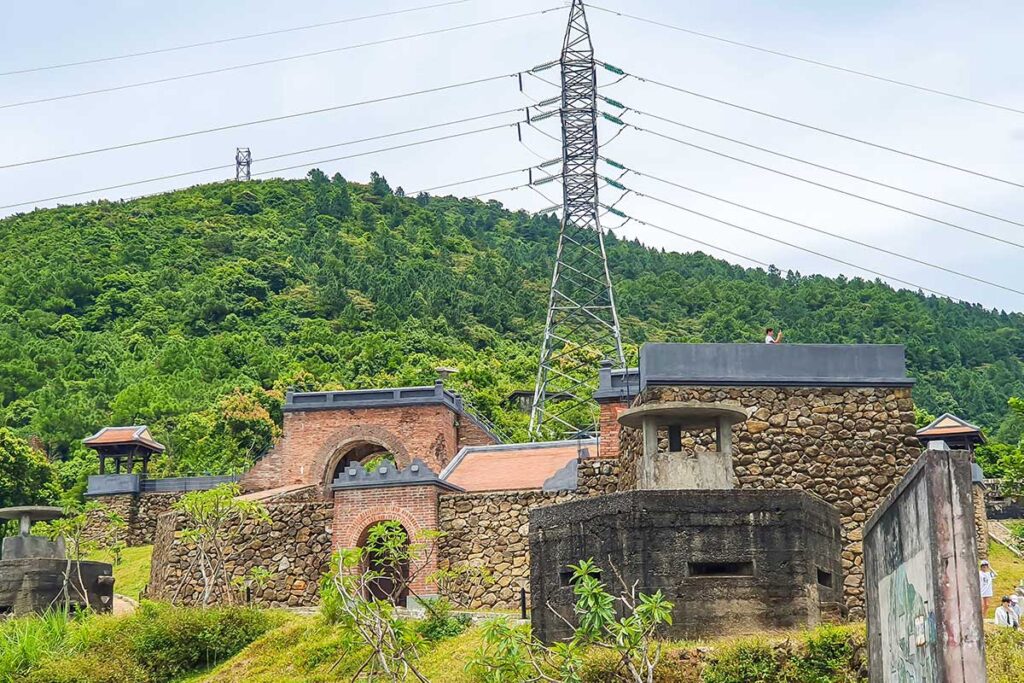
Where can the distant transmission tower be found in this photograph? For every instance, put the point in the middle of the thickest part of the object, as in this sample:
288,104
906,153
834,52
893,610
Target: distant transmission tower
243,163
582,326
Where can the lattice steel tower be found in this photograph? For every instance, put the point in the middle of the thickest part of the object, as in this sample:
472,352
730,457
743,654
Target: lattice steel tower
582,326
243,163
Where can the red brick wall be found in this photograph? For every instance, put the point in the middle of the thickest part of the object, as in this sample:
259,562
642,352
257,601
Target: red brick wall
314,440
471,435
609,428
414,507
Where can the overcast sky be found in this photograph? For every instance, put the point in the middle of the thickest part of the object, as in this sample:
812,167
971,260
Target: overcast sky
970,49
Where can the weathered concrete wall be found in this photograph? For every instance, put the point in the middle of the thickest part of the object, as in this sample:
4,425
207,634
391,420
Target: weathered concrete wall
731,562
139,511
923,604
295,547
848,445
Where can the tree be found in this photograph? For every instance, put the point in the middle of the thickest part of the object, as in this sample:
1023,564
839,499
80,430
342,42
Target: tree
362,590
26,477
511,654
213,522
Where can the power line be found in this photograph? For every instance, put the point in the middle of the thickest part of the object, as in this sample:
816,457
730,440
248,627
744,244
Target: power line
816,62
220,41
821,231
687,237
271,119
826,168
276,60
471,180
261,173
827,187
784,242
826,131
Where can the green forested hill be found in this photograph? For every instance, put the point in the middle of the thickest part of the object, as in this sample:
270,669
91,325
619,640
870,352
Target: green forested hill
184,310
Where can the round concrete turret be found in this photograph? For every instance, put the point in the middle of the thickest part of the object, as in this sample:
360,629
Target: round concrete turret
29,514
673,467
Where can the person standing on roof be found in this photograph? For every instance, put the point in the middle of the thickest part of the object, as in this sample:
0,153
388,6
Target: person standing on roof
771,338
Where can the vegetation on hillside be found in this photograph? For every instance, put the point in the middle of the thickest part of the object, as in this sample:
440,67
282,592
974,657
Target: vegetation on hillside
193,311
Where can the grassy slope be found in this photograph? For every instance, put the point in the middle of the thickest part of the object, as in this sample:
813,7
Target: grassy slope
1010,570
304,650
133,573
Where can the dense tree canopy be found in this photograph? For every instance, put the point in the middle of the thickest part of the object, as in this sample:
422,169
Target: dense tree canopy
193,311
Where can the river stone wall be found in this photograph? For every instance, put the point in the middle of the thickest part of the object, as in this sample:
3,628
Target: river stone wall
295,547
139,511
491,531
847,445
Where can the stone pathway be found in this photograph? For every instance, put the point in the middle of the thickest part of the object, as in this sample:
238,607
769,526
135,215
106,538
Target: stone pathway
123,605
1002,535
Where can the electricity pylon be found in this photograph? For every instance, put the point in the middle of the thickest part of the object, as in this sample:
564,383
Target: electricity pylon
243,164
582,327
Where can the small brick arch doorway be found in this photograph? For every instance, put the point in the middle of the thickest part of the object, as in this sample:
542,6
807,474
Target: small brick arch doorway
362,453
392,584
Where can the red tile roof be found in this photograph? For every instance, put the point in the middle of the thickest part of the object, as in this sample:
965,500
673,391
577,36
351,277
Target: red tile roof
124,436
515,468
950,425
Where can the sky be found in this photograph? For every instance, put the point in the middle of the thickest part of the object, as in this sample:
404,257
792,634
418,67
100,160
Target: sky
968,49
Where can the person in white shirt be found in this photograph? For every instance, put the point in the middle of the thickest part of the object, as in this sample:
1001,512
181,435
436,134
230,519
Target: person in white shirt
1006,615
986,579
1018,608
771,338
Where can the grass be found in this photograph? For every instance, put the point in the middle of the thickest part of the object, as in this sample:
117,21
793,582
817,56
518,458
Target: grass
132,575
1010,570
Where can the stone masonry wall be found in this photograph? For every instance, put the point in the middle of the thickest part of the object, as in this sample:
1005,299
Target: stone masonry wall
847,445
140,512
295,547
491,531
596,476
980,520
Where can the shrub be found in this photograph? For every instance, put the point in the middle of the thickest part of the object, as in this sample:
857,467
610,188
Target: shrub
825,657
171,641
440,622
156,644
746,661
1004,655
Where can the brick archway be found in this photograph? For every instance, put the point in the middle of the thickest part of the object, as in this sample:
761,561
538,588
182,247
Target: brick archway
344,440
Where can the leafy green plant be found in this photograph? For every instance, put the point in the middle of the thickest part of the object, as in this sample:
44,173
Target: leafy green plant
512,653
366,584
213,521
825,656
441,622
747,661
256,577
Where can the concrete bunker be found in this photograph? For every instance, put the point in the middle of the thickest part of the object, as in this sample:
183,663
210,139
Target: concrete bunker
36,576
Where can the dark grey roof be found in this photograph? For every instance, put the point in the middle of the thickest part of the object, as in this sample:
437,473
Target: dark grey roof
383,398
617,384
846,365
388,475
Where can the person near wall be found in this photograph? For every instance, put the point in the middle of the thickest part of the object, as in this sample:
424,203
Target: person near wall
1006,616
1017,605
986,578
771,338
